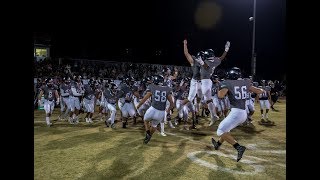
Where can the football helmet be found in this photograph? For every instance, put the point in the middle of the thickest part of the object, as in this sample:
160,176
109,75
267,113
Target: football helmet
113,87
200,54
49,82
209,54
158,80
234,73
129,80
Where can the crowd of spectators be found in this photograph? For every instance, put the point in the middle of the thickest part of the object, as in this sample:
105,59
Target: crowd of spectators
59,68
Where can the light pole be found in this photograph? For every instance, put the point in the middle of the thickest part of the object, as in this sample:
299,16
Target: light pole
253,54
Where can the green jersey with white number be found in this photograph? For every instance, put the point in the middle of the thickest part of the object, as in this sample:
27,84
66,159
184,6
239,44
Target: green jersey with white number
237,92
49,92
159,96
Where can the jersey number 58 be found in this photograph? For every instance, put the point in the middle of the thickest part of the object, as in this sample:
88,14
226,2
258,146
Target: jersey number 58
160,96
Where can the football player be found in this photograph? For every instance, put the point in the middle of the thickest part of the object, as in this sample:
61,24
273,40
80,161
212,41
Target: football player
195,83
209,62
265,101
75,97
126,93
50,94
111,96
159,95
274,94
88,101
182,94
139,91
237,91
65,89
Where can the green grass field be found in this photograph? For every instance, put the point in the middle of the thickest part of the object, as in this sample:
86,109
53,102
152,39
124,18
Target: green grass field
92,151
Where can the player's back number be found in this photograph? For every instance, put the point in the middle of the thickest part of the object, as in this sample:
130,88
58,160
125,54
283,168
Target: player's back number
240,92
160,96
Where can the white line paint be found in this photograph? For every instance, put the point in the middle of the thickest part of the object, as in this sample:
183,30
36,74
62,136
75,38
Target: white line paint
279,164
272,151
140,139
258,159
251,146
194,158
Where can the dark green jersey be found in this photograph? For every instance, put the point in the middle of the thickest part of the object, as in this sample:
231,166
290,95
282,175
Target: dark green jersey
159,96
195,69
206,72
237,92
48,92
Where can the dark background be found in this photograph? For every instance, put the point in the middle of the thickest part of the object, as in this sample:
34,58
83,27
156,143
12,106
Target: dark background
138,31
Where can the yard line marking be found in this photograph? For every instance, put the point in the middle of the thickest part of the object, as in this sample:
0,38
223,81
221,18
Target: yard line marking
257,168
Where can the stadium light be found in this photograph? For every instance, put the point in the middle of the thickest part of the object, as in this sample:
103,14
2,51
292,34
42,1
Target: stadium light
253,55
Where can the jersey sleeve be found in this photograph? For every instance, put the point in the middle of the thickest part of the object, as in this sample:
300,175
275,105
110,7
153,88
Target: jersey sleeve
149,88
223,85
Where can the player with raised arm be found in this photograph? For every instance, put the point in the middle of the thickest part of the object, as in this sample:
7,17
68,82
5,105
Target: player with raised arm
209,62
195,83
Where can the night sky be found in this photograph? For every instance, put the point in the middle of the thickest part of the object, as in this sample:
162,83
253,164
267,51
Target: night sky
162,25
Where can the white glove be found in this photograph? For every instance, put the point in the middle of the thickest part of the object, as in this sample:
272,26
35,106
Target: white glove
58,101
227,46
199,60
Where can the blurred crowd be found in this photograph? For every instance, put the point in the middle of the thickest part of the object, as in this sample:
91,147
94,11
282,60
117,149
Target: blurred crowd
101,69
60,68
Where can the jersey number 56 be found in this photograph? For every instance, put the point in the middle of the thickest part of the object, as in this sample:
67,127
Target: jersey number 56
240,93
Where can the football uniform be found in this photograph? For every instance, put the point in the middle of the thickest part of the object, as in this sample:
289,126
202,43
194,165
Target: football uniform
156,112
89,97
49,98
206,84
126,95
237,93
264,97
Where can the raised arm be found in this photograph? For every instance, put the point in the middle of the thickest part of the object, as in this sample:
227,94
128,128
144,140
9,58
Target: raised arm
186,52
226,49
